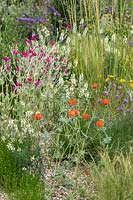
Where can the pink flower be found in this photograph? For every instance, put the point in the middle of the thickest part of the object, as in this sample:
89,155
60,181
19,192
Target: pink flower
8,68
31,51
33,54
18,84
14,88
51,43
45,71
66,71
29,80
16,59
18,69
43,54
68,25
6,58
47,59
28,41
15,52
37,83
33,38
16,43
25,54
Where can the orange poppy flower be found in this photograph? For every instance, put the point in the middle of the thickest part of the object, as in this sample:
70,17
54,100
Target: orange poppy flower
73,113
95,86
38,116
86,116
106,101
72,102
100,123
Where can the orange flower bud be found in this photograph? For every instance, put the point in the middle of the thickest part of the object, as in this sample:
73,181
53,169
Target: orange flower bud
38,116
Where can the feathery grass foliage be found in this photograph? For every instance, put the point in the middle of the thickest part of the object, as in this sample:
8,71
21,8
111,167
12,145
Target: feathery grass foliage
114,178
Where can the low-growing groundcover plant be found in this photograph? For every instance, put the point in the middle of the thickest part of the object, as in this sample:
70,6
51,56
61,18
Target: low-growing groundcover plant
15,179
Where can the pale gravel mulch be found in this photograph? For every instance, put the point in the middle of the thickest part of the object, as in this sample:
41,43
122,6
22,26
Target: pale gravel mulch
3,196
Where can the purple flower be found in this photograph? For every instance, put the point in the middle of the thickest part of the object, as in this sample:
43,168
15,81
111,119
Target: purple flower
130,44
54,11
40,20
125,101
119,88
112,85
99,100
105,93
26,20
121,108
117,96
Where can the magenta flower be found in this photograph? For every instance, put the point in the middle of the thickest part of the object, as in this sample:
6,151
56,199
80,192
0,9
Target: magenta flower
14,88
33,38
25,54
6,58
18,84
28,41
68,26
37,83
51,43
18,69
47,59
66,71
16,59
8,68
15,52
29,80
43,54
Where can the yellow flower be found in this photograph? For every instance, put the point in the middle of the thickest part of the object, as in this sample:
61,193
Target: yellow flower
131,81
112,76
99,76
131,85
107,79
122,80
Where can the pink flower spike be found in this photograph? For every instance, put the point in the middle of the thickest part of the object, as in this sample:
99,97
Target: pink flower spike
51,43
48,60
16,59
15,52
8,68
16,43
